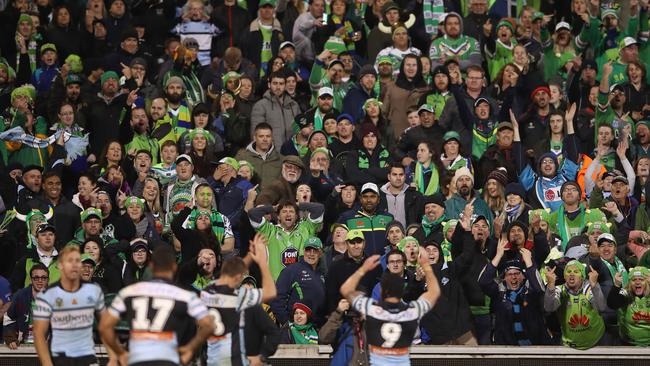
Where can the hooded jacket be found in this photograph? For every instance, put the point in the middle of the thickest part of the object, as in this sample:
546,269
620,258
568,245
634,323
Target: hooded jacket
267,167
404,207
296,283
277,112
450,318
465,48
253,41
401,96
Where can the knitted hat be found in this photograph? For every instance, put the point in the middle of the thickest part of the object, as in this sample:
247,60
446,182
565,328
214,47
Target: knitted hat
108,75
25,18
463,171
542,88
175,80
548,155
520,224
608,12
74,61
500,175
368,128
513,264
393,224
367,70
436,198
570,183
384,60
372,100
639,271
449,225
335,45
243,163
129,33
515,188
133,200
27,91
406,240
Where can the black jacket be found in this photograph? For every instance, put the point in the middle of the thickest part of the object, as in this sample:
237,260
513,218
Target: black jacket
343,267
468,279
412,205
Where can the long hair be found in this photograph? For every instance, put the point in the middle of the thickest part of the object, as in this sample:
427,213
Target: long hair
155,207
498,203
630,291
103,163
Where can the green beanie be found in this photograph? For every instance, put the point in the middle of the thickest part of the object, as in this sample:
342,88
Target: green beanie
335,45
24,91
405,240
108,75
25,18
574,263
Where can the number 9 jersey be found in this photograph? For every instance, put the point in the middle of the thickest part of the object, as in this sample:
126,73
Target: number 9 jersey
390,328
226,305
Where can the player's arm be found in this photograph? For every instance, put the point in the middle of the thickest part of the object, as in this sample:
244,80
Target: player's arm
433,288
349,287
205,327
107,332
40,328
260,257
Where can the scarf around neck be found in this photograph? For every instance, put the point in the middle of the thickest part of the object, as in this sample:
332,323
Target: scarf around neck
303,334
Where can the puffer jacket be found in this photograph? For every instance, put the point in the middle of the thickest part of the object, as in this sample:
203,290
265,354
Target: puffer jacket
279,113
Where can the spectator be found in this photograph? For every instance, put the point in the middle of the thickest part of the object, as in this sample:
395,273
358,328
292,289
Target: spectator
17,322
455,39
263,38
405,93
43,252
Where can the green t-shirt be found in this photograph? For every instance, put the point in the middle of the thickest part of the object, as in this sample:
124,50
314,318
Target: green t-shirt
285,248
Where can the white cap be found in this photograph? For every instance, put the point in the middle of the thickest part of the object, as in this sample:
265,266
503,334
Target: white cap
287,43
606,237
325,91
562,25
628,41
184,157
369,187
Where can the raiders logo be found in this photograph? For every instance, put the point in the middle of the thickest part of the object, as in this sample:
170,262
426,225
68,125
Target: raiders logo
289,256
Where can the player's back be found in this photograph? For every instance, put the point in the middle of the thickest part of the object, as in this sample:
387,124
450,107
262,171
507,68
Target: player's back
226,305
156,310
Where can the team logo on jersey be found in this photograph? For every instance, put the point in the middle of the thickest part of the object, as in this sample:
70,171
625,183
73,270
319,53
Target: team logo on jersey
90,300
577,320
74,301
549,195
289,256
58,302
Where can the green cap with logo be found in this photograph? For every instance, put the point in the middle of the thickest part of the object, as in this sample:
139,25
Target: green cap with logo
230,161
90,213
313,242
267,2
354,234
87,258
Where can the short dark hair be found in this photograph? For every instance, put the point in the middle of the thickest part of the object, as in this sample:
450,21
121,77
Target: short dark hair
163,258
287,203
36,267
396,251
168,143
397,165
263,126
49,174
277,75
233,266
392,285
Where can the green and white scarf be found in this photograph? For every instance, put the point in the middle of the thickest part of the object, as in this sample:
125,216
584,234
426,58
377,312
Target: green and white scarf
433,185
303,334
433,11
616,267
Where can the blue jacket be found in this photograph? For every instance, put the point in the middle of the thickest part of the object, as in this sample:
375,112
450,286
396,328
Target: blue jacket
43,77
354,99
297,283
17,318
231,197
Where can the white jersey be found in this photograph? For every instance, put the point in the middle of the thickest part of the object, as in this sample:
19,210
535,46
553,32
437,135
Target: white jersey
71,316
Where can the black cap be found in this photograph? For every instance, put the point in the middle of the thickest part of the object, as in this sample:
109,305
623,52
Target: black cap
32,167
367,70
129,33
589,64
45,227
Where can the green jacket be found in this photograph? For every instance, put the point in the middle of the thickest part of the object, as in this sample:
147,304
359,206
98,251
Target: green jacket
23,154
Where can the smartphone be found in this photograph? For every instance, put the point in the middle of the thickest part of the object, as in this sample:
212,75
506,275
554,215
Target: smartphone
324,18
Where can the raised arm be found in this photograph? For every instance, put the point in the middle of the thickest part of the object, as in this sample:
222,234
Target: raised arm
349,287
433,288
260,257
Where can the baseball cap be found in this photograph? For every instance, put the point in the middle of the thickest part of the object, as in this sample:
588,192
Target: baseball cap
354,234
44,227
620,178
314,242
184,157
627,41
139,243
504,125
230,161
89,213
337,225
267,2
87,258
562,25
325,91
426,107
287,43
606,237
369,187
451,135
73,79
52,47
617,86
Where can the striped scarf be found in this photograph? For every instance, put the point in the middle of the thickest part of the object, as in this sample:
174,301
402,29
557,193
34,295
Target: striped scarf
433,12
75,146
517,300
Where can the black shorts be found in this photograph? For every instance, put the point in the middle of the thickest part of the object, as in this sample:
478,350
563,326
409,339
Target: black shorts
75,361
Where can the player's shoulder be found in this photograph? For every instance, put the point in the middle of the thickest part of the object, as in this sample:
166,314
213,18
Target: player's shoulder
53,288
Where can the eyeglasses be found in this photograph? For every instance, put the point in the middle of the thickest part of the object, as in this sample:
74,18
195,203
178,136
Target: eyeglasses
40,278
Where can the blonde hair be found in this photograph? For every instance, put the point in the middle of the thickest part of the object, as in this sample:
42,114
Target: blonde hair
68,249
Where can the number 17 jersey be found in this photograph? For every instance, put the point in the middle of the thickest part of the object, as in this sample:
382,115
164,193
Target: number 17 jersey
155,310
226,346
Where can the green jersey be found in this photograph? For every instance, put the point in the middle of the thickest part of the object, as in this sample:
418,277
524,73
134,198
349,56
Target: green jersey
634,321
285,247
581,323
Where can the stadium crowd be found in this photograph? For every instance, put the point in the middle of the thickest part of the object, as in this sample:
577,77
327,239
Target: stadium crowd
506,140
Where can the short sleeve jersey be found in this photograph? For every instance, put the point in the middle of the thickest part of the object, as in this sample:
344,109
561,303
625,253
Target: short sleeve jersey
71,316
390,326
155,310
227,307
